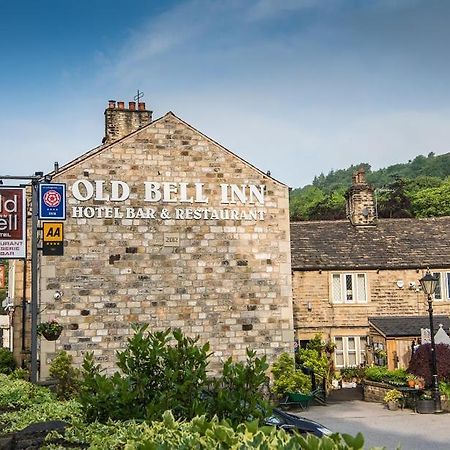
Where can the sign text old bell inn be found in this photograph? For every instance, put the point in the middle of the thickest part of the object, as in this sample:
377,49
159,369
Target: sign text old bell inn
165,226
181,193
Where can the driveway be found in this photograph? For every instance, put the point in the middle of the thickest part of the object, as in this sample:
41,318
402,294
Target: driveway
381,427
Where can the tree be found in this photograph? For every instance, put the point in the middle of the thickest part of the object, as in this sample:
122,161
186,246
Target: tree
432,202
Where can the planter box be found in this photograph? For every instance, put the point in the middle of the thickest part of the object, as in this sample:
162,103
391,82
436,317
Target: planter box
425,406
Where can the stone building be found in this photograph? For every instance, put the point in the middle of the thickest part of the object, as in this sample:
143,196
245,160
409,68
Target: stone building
167,227
345,272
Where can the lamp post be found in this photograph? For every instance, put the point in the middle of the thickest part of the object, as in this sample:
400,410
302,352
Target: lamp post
429,284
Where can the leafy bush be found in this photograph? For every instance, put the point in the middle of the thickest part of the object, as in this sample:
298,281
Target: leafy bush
381,374
397,377
19,374
156,377
287,378
421,361
21,393
168,371
314,360
7,361
238,394
375,373
201,434
393,396
353,373
66,375
67,411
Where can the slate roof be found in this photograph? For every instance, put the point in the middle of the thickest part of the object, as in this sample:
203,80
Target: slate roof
406,325
391,244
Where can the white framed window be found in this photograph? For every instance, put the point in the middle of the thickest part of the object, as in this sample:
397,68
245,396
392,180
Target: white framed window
349,288
447,284
442,291
350,351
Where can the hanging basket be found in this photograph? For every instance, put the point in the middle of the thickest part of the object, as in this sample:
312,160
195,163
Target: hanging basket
51,336
50,330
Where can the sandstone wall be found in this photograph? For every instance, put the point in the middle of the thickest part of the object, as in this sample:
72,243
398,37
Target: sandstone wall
226,280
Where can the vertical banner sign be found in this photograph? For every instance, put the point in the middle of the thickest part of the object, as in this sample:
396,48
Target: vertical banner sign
52,201
2,277
12,222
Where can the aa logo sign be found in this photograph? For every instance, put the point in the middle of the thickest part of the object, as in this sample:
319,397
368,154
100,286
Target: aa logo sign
53,232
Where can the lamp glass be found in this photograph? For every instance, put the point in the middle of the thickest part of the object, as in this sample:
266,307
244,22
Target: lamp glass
429,283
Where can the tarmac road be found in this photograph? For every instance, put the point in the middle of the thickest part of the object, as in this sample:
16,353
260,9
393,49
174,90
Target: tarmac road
403,429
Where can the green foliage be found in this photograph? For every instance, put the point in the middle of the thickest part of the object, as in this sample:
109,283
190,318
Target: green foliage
397,377
314,360
19,374
416,188
201,434
353,373
166,370
51,409
20,393
65,374
375,373
432,201
392,395
287,378
7,361
238,394
444,388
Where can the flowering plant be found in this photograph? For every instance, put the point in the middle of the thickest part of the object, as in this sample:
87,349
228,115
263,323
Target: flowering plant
50,330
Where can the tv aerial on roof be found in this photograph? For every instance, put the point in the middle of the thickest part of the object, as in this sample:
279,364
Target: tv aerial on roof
138,96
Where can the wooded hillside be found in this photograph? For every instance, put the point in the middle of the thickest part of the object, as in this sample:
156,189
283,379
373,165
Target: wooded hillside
418,188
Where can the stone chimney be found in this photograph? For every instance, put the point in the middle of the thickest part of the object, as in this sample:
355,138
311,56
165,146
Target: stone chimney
360,201
120,122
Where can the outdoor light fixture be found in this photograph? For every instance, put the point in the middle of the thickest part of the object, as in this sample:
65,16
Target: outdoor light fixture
429,284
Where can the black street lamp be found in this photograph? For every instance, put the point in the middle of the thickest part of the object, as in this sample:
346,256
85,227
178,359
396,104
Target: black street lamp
429,284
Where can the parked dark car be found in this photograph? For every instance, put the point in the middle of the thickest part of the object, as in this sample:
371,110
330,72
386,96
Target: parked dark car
289,422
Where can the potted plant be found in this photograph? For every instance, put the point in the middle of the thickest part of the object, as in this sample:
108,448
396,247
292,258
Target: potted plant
412,380
392,399
425,404
50,330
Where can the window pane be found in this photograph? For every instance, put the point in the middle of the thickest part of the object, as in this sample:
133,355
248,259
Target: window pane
437,292
351,344
352,359
361,287
362,349
448,284
339,359
336,288
348,288
339,343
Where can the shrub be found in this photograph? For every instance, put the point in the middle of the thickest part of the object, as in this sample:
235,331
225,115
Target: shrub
238,394
287,378
21,393
421,361
355,373
201,434
375,373
19,374
397,377
65,374
51,409
393,396
166,370
7,361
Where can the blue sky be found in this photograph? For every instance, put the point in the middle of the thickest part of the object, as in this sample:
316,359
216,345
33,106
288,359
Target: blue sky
297,87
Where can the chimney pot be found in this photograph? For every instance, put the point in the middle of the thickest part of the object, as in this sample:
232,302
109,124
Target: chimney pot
132,106
111,104
121,105
141,106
